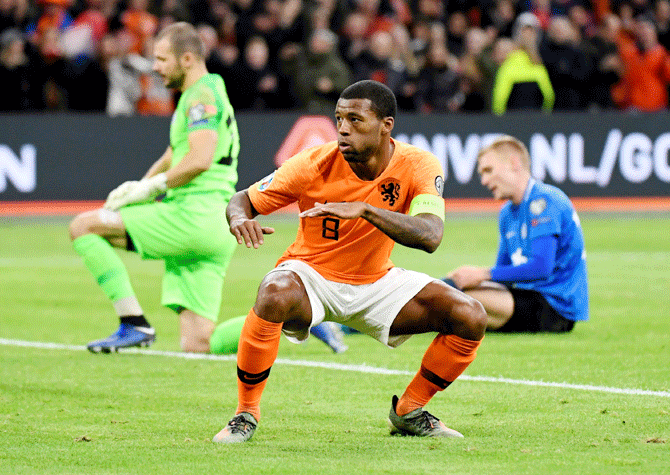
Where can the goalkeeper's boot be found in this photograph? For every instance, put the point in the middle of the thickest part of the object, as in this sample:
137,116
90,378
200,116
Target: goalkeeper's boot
126,336
418,422
240,429
331,334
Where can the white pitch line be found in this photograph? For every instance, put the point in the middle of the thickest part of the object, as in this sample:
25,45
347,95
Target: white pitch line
345,367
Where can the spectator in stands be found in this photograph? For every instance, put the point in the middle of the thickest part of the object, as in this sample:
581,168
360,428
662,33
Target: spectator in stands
501,17
199,12
469,97
257,86
630,9
155,98
317,72
477,66
437,33
54,18
140,24
522,81
15,73
420,38
14,14
49,67
662,21
583,20
542,11
379,14
602,53
124,69
457,27
84,80
210,42
244,12
412,59
430,10
93,18
438,84
279,22
57,51
379,63
353,41
568,66
227,24
325,14
174,11
646,73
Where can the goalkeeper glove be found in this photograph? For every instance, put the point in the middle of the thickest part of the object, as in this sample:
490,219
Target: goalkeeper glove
136,192
117,193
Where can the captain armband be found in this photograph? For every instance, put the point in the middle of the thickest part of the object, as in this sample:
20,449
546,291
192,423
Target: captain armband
427,204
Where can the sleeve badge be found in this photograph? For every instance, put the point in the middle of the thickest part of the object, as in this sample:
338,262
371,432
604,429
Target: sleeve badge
265,182
537,206
439,185
200,113
196,113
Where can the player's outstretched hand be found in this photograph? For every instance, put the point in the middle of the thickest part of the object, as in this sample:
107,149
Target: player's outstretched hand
467,277
342,210
249,232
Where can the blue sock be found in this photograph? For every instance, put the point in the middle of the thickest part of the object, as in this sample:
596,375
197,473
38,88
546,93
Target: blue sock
328,333
322,332
449,281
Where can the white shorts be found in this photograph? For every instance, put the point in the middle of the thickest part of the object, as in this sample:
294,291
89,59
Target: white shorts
369,308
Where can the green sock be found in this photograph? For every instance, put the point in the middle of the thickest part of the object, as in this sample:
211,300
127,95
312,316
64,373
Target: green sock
226,336
106,266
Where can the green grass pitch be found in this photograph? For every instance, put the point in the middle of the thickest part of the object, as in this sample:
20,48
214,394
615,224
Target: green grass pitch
65,411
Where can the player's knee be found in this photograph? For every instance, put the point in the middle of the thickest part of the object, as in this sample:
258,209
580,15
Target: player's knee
278,298
84,223
78,227
476,320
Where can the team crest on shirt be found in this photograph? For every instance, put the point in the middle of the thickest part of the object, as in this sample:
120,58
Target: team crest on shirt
265,182
390,191
439,185
538,205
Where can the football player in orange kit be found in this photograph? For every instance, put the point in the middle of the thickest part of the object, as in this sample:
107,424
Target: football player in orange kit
357,198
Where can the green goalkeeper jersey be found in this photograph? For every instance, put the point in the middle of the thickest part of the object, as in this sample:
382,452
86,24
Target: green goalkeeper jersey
205,105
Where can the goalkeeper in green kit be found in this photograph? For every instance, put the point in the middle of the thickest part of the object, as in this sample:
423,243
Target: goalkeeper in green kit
187,229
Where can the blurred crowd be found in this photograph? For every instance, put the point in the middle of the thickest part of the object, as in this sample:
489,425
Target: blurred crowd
447,56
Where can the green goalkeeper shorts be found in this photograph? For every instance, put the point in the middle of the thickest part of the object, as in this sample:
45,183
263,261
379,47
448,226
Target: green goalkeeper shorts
191,235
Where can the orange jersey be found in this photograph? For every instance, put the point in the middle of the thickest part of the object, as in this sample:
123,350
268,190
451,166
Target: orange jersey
351,251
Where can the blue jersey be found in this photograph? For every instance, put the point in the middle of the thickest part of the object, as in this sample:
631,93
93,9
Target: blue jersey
547,211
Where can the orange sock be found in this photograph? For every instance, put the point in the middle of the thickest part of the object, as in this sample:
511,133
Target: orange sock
257,351
445,359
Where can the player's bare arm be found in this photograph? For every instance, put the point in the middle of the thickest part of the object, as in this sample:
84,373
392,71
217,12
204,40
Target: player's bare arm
202,145
161,165
240,214
467,277
423,231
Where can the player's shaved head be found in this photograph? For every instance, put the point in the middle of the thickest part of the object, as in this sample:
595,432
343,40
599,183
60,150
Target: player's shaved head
383,100
183,38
